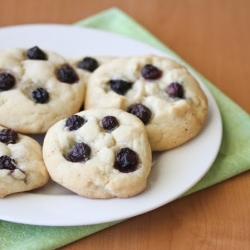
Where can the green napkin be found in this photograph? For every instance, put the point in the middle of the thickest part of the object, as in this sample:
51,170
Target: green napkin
233,157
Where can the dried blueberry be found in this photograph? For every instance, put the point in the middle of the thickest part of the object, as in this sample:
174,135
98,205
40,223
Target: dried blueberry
40,95
7,163
150,72
109,122
74,122
7,81
88,63
36,53
120,86
80,152
67,74
141,111
175,90
8,136
126,160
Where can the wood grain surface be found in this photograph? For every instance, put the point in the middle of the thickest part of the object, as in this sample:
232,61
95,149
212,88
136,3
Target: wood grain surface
214,37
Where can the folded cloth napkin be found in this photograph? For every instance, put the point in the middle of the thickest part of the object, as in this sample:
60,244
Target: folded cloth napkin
233,157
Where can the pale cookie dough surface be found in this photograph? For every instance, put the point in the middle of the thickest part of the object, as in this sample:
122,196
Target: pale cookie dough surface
19,110
173,120
97,177
29,172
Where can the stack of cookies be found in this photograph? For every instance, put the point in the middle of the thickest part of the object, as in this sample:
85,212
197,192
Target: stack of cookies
102,118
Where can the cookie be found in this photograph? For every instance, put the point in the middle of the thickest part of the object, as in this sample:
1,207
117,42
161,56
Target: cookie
37,89
159,91
21,163
99,153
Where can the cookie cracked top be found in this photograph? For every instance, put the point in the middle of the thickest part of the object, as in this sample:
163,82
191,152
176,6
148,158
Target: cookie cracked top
21,163
159,91
37,88
99,153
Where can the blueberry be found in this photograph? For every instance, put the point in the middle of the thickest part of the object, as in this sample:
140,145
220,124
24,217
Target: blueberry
40,95
150,72
74,122
88,63
80,152
140,111
7,81
7,163
126,160
175,90
120,86
8,136
36,53
109,122
67,74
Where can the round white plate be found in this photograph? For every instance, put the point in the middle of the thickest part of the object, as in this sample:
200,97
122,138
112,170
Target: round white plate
173,172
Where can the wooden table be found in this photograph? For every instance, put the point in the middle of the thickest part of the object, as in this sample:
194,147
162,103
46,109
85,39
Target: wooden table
214,37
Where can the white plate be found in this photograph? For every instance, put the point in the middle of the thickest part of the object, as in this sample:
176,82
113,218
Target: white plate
173,172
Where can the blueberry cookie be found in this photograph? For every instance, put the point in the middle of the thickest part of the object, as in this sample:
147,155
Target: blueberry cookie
37,88
21,163
159,91
99,153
